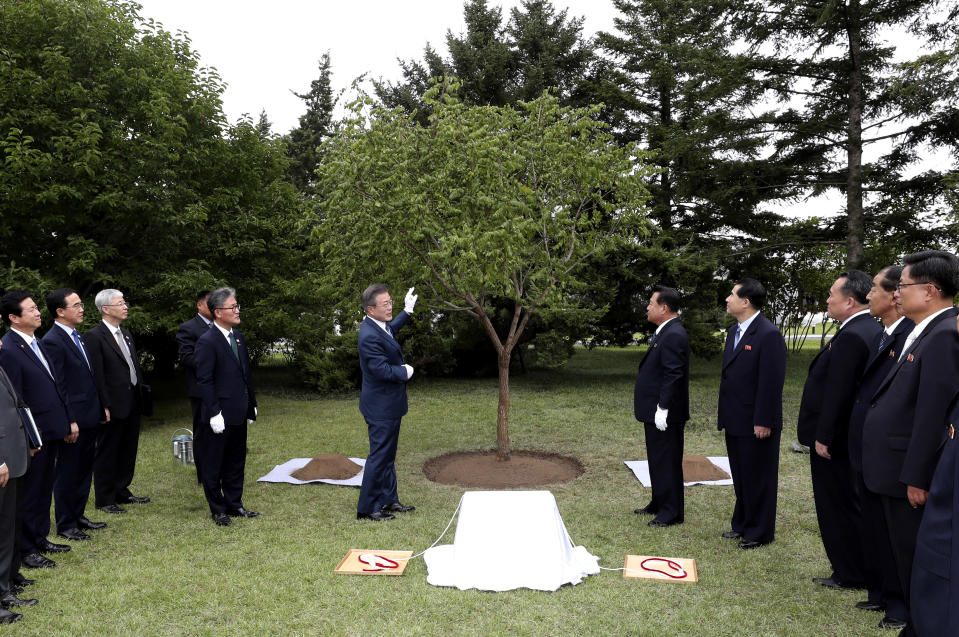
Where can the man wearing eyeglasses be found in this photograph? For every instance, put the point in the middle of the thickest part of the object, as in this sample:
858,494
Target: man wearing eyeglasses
225,381
119,381
905,425
68,357
382,400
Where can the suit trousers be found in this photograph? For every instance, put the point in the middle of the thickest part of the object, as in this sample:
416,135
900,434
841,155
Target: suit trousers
37,494
9,522
754,465
200,429
902,522
664,452
116,458
224,463
379,473
839,514
74,475
881,577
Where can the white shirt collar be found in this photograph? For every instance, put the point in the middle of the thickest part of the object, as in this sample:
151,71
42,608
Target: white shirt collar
65,328
205,319
380,323
892,328
224,332
745,324
663,324
866,311
29,339
113,329
916,331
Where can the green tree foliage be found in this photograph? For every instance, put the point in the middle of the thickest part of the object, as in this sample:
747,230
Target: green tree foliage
315,125
485,202
119,168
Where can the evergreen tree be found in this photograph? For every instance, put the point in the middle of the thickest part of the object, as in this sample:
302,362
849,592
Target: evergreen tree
315,126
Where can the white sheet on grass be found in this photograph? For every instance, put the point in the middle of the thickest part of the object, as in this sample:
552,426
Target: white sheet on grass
506,540
281,473
640,469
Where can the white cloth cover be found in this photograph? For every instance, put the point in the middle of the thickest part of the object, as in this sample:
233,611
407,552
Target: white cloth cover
506,540
640,469
281,473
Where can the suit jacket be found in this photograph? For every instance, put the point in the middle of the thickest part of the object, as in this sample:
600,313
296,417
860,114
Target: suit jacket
876,369
35,386
14,443
830,389
663,376
383,395
187,335
225,381
74,377
751,386
905,424
111,372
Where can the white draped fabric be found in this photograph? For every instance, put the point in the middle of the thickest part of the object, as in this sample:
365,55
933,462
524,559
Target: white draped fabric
506,540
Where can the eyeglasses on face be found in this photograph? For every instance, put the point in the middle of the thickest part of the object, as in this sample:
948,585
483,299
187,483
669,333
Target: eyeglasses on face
230,308
901,285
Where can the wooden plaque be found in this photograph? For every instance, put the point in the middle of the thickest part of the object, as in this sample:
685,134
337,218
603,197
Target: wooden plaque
663,569
373,562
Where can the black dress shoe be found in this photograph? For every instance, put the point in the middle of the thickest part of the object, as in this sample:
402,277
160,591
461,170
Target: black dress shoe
84,523
662,523
112,508
377,516
46,546
222,519
74,534
732,535
242,513
646,510
21,581
133,499
396,507
892,622
35,560
832,582
6,617
751,544
9,600
870,605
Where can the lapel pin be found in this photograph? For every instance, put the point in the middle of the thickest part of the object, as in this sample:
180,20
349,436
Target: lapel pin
952,432
749,348
910,358
892,353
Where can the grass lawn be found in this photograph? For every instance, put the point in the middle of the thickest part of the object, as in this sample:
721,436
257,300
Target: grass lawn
166,569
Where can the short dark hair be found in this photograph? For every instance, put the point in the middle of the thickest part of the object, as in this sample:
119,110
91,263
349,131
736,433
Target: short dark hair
857,285
11,303
890,277
202,294
57,300
668,296
217,298
937,267
753,291
368,298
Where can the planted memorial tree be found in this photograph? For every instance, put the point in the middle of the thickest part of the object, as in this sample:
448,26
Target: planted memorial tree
481,202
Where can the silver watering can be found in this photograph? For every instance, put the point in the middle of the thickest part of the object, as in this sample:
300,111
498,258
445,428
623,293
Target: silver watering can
183,446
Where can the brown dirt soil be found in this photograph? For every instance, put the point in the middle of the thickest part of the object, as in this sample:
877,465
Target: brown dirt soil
483,469
327,466
698,468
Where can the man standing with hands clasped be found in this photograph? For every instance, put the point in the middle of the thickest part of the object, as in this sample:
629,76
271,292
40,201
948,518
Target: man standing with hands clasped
661,403
382,400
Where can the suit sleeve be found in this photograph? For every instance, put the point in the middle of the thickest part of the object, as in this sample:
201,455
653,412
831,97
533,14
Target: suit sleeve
205,360
772,377
55,356
846,362
674,356
376,362
12,369
95,354
186,345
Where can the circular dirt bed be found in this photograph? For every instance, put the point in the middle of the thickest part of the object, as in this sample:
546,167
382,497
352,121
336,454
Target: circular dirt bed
483,469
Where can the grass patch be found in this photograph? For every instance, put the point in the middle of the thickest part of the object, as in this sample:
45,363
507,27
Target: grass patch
165,569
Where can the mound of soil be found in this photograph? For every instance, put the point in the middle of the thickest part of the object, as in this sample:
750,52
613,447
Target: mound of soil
327,466
698,468
483,469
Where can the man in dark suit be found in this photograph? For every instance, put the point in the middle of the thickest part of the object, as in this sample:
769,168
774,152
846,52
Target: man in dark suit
382,400
751,413
26,363
186,337
881,579
15,451
71,367
661,403
827,401
904,427
119,381
225,380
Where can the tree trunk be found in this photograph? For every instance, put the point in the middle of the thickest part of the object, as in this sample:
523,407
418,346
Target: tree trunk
502,411
854,212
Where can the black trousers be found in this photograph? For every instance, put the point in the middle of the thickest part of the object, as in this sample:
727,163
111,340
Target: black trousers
379,473
9,523
116,459
839,514
37,496
754,464
664,452
223,458
882,578
74,475
199,430
902,522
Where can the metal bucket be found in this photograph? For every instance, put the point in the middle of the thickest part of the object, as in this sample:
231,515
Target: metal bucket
183,446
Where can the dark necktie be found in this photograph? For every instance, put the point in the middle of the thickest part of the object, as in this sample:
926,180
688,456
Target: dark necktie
884,340
236,351
76,339
389,331
652,341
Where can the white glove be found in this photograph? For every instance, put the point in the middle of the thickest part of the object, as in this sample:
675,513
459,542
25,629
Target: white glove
409,372
217,424
661,418
255,415
410,301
